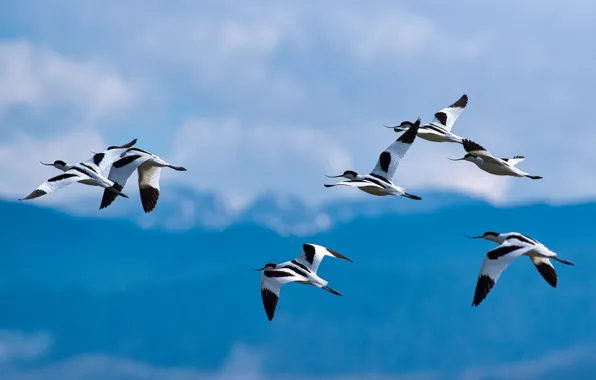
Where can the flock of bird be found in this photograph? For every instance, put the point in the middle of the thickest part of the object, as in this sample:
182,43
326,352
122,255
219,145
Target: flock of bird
119,163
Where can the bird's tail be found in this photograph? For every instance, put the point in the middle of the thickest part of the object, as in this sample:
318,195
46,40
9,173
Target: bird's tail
331,290
177,168
563,261
534,176
411,196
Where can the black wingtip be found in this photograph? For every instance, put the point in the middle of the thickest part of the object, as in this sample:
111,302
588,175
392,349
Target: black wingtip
462,102
149,198
130,144
109,196
409,136
483,287
534,176
471,146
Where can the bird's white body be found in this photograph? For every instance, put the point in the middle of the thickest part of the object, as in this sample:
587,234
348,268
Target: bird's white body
148,166
503,168
379,181
511,246
437,136
491,164
374,186
302,270
439,129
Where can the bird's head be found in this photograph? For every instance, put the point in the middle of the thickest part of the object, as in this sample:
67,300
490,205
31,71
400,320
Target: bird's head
58,164
349,174
401,127
467,157
489,235
267,266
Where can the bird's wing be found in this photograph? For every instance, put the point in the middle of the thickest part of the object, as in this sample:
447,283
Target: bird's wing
546,269
356,183
56,183
105,159
312,255
446,117
514,161
270,294
479,151
495,262
389,160
120,171
149,185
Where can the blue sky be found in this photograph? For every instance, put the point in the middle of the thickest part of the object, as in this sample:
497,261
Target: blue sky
272,95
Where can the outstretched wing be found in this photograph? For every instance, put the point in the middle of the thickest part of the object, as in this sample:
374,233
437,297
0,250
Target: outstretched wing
356,183
479,151
149,185
270,294
56,183
445,118
495,262
389,160
102,161
312,255
120,171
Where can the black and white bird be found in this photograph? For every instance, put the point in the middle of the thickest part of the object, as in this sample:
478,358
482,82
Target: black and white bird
491,164
511,246
379,181
81,173
100,162
302,270
439,129
90,172
148,166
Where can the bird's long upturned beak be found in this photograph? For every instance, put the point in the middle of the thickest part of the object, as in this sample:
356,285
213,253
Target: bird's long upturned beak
474,237
46,164
334,176
389,126
256,270
456,159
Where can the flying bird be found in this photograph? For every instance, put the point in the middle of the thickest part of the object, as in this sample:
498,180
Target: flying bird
100,162
511,246
439,129
81,173
148,166
379,181
491,164
302,270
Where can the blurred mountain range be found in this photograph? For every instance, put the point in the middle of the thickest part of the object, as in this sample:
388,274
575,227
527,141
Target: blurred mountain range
187,297
184,208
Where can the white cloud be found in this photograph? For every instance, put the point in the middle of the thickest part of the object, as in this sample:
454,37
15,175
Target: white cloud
16,346
392,32
533,368
241,159
39,77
